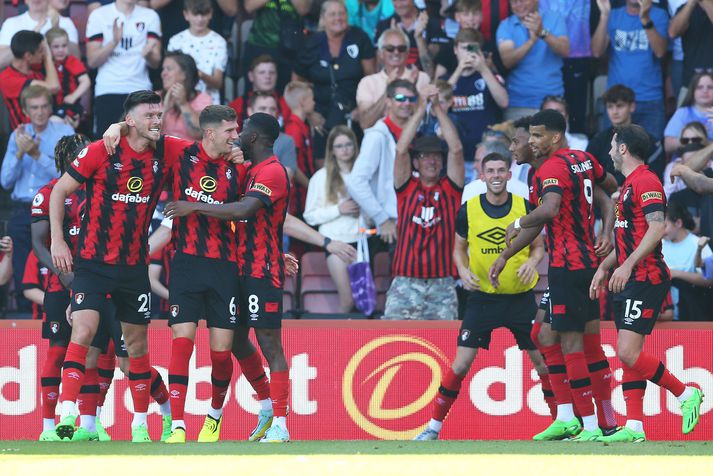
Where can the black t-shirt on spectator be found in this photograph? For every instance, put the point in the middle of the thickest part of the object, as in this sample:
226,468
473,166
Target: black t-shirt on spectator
314,63
697,45
600,145
434,36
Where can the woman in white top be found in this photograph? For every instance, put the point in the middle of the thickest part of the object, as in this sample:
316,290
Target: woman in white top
330,207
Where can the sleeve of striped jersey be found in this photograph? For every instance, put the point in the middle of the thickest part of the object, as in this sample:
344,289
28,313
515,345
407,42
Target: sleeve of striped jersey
462,221
599,173
75,66
269,185
40,205
649,193
554,175
173,148
31,278
406,188
87,162
154,26
94,27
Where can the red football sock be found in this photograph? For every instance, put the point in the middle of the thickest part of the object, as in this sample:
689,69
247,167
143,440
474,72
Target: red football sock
534,333
89,393
158,389
50,378
548,394
447,394
73,372
181,350
558,373
280,391
253,370
105,366
579,382
653,369
600,375
634,387
222,371
140,382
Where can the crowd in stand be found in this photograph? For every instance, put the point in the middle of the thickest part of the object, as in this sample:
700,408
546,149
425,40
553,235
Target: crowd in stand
345,79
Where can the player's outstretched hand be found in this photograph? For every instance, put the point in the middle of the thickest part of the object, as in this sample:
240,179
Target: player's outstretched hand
510,234
344,251
292,265
619,278
181,208
598,282
111,138
495,270
61,256
470,281
603,245
526,273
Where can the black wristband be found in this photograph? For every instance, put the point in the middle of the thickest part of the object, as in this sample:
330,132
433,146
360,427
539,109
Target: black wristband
648,25
326,243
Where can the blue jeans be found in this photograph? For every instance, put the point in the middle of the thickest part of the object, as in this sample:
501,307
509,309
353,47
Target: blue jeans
18,228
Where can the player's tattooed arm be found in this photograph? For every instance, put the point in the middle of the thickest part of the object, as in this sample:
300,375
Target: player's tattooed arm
654,217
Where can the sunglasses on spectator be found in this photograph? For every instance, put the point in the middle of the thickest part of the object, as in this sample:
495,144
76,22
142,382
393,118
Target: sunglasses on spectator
691,140
347,145
404,98
392,48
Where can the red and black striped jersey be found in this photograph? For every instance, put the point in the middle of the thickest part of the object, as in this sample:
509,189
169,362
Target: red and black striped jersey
122,191
570,235
12,83
35,276
260,237
641,193
199,178
426,229
73,211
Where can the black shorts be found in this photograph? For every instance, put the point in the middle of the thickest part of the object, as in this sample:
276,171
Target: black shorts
637,307
128,286
486,312
55,326
260,303
544,305
570,306
110,328
203,288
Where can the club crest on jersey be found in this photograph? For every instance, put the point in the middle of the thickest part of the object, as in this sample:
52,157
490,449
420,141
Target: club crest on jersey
140,26
646,196
37,201
175,310
353,51
79,298
464,334
627,192
228,174
155,166
54,327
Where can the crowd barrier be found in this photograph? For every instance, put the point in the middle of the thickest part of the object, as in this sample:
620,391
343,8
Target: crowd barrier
354,380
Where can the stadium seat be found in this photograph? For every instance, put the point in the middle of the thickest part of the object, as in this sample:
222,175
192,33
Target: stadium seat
290,292
318,293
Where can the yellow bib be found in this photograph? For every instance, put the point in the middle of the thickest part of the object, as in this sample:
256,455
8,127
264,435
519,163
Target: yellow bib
486,240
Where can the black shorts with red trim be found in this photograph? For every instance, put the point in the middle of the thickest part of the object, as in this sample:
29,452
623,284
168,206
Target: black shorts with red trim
203,288
544,305
128,286
260,303
486,312
637,307
55,326
570,305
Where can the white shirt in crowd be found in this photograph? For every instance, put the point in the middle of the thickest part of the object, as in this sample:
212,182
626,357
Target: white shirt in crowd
681,256
318,212
25,22
477,187
126,69
210,52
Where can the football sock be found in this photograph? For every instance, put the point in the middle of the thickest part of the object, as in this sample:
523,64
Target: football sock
87,399
251,367
280,390
447,394
105,366
548,394
181,351
222,371
140,383
73,372
634,387
50,378
580,385
557,374
600,375
653,369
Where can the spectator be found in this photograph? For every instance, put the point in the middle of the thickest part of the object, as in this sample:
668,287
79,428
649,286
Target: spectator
698,176
424,33
478,96
678,191
5,260
182,102
466,14
330,207
371,92
430,125
208,48
39,18
366,14
27,166
423,286
675,71
693,138
680,248
276,31
478,187
34,283
72,76
29,51
532,47
635,37
693,24
559,104
335,60
371,183
300,98
123,41
696,106
173,21
620,102
263,78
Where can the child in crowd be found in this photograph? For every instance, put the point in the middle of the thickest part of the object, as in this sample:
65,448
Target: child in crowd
208,48
430,125
299,97
72,74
